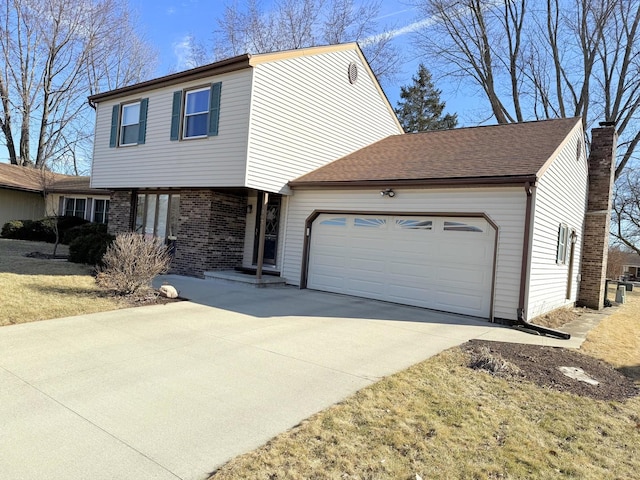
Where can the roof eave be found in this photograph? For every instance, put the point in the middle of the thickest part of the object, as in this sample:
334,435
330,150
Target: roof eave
419,182
21,188
233,64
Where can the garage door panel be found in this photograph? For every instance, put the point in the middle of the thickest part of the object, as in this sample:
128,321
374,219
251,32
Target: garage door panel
363,287
469,278
364,265
336,241
331,283
326,259
415,272
461,301
461,252
406,259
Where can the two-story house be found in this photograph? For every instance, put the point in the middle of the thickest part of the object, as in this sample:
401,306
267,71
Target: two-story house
192,155
294,163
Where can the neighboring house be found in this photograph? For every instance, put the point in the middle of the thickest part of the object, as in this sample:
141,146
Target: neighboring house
631,267
30,194
294,163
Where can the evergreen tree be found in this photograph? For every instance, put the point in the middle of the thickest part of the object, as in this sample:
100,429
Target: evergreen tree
420,107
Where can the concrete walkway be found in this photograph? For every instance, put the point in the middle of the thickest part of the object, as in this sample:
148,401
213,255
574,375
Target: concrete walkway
173,391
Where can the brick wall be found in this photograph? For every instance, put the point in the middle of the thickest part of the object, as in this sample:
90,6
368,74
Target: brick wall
119,212
595,246
210,233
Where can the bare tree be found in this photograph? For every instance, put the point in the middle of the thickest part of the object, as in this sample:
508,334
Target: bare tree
548,59
626,211
293,24
57,52
615,262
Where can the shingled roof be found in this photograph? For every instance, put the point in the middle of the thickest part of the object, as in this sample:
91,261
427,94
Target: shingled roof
488,154
33,180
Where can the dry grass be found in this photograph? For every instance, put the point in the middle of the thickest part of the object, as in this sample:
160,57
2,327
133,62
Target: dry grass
441,419
616,339
558,317
38,289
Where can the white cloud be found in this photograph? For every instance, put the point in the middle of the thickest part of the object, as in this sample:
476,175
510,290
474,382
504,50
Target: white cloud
182,51
171,10
412,27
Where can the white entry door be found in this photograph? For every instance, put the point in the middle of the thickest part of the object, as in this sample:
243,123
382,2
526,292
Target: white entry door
443,263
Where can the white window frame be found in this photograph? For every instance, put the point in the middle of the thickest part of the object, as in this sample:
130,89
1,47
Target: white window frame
75,206
123,124
186,114
105,213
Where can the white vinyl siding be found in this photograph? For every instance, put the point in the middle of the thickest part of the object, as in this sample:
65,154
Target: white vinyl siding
306,114
211,161
504,206
560,198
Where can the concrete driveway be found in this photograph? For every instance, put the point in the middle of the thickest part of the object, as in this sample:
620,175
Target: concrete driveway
173,391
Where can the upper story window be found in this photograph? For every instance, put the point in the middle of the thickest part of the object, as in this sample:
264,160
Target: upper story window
196,113
129,123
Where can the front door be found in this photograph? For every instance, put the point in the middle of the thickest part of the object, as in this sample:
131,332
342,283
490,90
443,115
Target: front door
271,229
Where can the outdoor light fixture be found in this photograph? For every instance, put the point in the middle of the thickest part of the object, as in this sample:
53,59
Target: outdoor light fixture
249,208
388,192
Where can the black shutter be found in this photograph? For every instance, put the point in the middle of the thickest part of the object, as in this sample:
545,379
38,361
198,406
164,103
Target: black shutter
115,119
142,124
214,108
175,115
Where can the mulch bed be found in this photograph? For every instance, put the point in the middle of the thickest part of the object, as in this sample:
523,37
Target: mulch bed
539,365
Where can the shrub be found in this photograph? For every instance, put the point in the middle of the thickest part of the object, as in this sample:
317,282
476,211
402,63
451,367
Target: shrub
11,229
72,233
67,222
131,263
89,248
42,230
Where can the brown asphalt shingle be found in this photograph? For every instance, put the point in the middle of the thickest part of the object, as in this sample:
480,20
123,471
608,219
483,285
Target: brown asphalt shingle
512,150
35,180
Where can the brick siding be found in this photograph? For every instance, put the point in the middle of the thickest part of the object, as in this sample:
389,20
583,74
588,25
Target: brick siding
210,233
119,212
595,243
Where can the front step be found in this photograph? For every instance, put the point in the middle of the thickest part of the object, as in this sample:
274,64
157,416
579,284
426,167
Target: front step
240,277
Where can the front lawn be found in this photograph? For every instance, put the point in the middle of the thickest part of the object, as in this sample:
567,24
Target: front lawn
443,419
39,289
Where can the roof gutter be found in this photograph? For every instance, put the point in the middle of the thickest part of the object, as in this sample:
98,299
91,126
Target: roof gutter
522,322
419,182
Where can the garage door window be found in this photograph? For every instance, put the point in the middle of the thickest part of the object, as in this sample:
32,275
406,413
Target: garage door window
335,222
370,222
461,227
409,224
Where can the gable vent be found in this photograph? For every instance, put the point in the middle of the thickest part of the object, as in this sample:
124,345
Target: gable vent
353,73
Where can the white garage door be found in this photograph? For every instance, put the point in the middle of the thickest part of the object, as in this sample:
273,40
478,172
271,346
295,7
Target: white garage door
444,263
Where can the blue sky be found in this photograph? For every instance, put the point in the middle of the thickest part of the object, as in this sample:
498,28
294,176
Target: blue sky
167,24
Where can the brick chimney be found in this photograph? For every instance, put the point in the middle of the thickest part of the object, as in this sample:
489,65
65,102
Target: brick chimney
595,243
